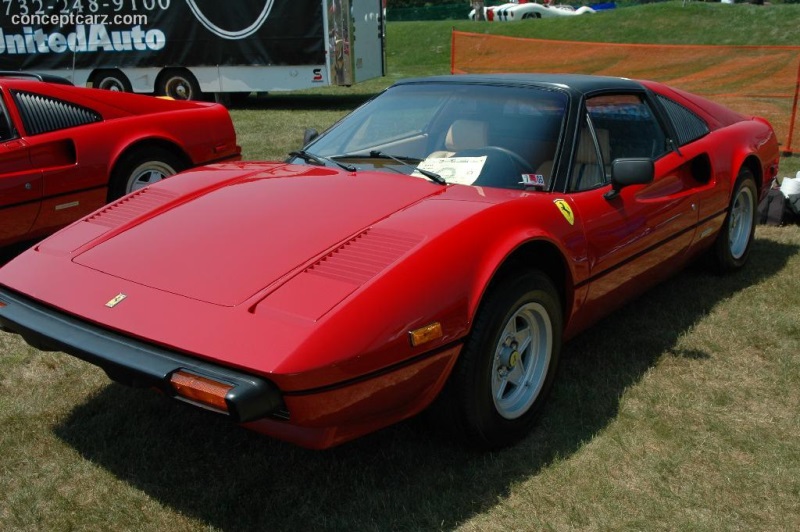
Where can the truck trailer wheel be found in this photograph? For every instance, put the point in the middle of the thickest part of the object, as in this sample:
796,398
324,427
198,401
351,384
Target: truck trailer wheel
178,84
111,80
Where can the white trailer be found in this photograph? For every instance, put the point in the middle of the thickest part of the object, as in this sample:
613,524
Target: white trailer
185,48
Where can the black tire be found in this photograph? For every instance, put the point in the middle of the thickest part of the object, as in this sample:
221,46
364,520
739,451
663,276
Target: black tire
481,403
141,167
111,80
240,98
732,246
178,84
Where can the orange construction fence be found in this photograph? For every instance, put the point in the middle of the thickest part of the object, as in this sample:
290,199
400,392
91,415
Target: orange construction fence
753,80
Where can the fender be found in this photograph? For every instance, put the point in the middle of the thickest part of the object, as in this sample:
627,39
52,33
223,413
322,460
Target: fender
763,151
519,246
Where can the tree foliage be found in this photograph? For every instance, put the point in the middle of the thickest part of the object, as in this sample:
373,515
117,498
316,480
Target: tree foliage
420,3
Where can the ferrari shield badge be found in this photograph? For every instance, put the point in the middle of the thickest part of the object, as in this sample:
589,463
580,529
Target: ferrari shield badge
116,301
565,210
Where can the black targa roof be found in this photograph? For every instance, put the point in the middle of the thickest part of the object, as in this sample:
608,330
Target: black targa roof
578,83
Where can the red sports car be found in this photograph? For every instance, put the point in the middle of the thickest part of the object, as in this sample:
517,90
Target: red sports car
65,151
435,246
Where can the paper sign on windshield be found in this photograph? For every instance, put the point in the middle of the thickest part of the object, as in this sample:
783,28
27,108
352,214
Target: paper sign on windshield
456,170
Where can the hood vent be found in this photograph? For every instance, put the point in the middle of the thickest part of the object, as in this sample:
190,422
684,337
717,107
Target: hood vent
131,207
363,257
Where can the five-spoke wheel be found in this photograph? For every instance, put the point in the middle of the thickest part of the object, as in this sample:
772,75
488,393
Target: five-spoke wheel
508,363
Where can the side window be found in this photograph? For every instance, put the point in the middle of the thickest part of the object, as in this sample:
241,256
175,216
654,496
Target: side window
631,125
688,126
6,131
591,158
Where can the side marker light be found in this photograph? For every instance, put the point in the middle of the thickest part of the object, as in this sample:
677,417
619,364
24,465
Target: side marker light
426,334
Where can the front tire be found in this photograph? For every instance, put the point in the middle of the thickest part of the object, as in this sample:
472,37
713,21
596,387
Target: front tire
508,364
733,243
142,167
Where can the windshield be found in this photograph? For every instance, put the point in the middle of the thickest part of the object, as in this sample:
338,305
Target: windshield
469,134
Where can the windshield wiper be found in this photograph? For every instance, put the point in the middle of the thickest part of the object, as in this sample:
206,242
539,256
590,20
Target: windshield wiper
433,176
322,161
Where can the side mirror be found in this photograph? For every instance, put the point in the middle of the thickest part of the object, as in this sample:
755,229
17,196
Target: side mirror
626,172
309,135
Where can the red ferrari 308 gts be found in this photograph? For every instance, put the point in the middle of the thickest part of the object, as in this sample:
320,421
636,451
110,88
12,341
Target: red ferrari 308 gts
65,151
435,246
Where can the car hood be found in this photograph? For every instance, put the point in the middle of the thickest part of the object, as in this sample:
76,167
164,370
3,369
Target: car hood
228,242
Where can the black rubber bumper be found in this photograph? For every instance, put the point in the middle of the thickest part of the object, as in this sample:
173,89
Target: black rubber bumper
130,361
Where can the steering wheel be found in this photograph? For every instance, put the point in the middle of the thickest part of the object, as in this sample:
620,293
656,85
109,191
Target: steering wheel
503,167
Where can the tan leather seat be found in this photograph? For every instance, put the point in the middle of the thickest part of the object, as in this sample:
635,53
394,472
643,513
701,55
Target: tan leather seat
587,171
463,135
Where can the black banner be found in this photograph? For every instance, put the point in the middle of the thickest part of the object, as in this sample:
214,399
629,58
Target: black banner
56,34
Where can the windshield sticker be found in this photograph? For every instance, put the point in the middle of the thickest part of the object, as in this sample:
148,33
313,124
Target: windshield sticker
565,210
532,180
455,170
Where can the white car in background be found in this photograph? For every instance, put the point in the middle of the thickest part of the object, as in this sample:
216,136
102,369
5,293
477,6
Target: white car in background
489,12
534,10
522,9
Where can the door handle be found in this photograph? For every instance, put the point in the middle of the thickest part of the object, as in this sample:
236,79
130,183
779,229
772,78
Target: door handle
11,144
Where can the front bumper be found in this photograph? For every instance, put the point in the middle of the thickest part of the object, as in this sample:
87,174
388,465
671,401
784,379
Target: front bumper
129,361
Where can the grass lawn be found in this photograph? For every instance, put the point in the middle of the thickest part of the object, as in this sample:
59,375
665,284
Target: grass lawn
680,411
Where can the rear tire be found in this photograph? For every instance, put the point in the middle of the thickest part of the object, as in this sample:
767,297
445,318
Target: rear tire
733,243
142,167
507,366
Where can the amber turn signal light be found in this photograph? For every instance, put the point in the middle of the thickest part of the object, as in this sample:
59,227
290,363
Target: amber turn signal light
199,390
426,334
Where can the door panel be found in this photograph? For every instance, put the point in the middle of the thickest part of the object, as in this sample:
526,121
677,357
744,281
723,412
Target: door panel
20,190
65,195
640,235
635,239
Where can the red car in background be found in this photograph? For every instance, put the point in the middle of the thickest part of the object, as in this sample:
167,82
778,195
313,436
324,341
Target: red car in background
65,151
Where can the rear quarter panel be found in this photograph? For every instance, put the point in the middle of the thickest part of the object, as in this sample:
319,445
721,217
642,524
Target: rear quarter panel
735,137
204,135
